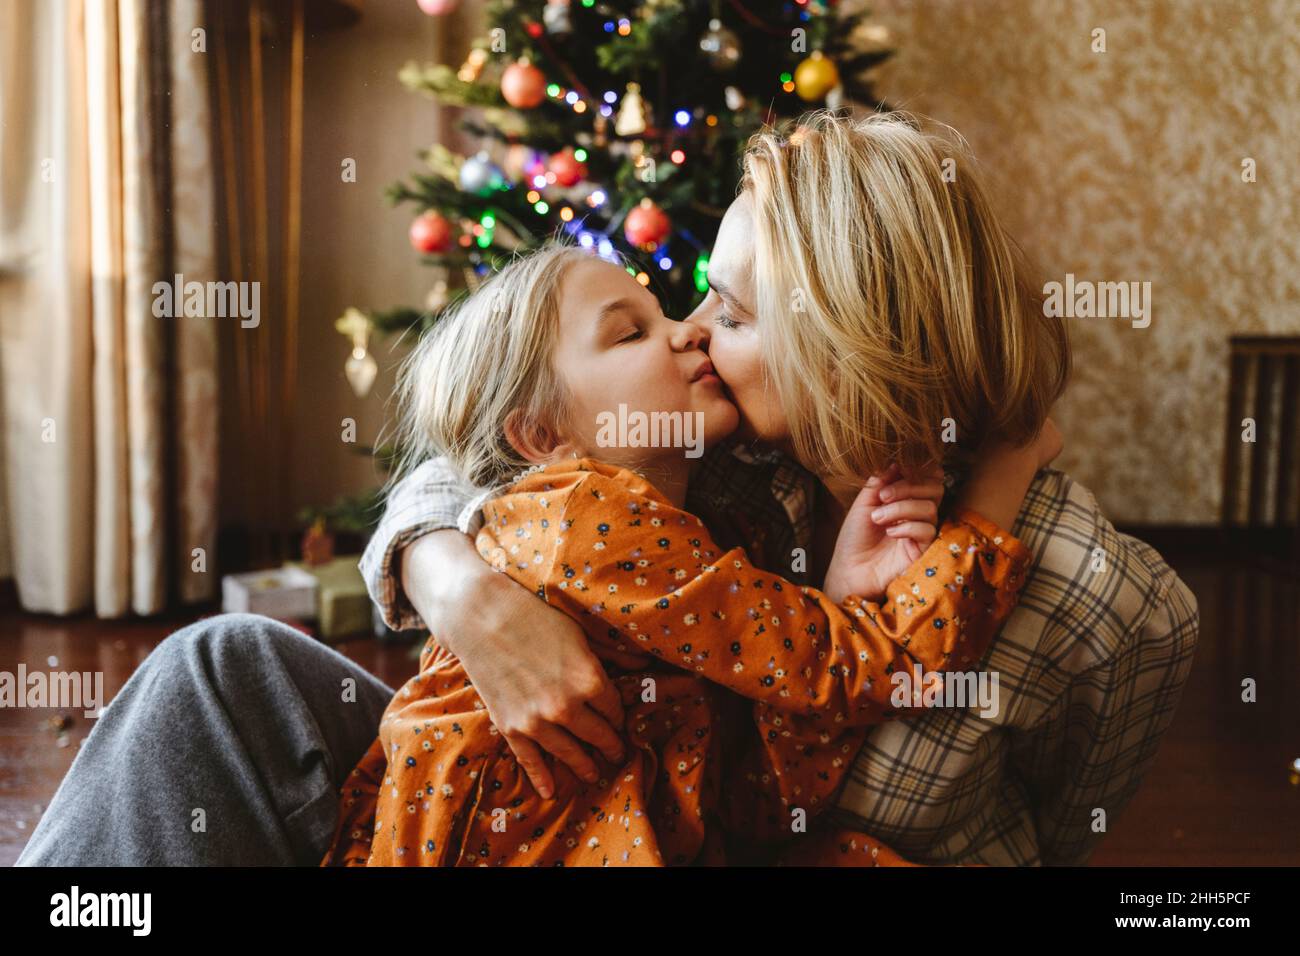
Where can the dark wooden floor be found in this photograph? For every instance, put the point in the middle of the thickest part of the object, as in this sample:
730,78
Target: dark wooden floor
1221,792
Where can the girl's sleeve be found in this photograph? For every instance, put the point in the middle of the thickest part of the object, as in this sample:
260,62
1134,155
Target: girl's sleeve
652,571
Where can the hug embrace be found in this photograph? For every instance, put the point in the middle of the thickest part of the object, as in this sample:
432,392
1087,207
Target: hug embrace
644,657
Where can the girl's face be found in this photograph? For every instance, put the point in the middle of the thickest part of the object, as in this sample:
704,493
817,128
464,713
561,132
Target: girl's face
617,348
728,314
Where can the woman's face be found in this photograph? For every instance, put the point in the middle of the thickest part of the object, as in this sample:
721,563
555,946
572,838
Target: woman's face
617,348
728,317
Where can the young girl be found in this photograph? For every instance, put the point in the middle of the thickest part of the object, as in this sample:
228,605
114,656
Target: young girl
689,631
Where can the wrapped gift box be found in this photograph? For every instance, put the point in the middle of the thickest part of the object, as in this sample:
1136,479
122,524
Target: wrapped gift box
342,602
282,593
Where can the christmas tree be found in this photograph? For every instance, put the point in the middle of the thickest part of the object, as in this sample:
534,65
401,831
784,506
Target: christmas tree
618,123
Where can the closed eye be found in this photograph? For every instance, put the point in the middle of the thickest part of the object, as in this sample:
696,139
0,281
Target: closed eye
636,334
726,321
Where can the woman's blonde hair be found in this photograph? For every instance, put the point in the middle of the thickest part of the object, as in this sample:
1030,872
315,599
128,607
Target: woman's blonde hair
890,299
488,357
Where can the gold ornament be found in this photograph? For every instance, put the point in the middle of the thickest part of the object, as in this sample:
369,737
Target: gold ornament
473,66
815,77
631,112
361,367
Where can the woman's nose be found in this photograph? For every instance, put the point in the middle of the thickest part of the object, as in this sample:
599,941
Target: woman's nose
700,321
688,335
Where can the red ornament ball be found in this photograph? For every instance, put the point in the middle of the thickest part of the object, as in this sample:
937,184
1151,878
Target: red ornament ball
566,167
647,225
523,85
436,8
430,232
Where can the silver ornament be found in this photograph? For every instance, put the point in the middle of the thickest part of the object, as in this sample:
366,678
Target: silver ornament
556,18
721,47
478,174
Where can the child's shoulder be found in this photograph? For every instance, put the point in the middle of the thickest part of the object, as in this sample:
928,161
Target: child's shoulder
585,476
581,491
577,487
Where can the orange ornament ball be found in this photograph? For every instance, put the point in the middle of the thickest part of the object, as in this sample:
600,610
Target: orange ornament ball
646,226
566,167
523,85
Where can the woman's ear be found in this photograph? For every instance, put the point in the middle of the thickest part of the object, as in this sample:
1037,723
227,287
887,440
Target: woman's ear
533,440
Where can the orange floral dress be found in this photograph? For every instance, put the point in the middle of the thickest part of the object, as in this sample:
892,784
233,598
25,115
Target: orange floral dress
750,699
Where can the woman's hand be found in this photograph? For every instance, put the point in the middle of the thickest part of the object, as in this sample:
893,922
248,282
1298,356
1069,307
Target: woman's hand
890,524
543,687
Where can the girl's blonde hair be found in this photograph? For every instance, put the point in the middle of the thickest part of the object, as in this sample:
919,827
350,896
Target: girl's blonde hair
890,299
488,356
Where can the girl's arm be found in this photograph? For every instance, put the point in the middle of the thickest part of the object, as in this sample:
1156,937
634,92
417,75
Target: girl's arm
602,542
752,806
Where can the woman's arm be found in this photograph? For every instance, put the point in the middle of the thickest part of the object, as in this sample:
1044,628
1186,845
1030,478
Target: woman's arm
548,693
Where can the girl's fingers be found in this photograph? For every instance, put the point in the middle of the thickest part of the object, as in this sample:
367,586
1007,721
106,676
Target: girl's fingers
912,509
919,531
912,489
912,550
534,764
868,497
891,473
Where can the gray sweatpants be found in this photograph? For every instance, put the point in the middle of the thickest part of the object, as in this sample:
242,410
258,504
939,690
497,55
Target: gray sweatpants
226,747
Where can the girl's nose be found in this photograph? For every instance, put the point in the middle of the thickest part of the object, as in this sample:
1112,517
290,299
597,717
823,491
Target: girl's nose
688,335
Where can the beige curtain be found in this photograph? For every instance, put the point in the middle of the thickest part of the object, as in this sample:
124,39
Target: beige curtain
109,413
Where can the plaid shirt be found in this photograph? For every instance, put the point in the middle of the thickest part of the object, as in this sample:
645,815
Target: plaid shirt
1090,665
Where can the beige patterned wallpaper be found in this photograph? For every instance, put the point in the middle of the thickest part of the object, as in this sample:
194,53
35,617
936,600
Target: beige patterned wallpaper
1127,166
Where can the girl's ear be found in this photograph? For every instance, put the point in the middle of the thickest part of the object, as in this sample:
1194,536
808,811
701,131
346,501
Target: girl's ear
534,441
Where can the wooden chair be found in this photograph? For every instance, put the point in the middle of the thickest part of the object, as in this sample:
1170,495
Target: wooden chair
1261,479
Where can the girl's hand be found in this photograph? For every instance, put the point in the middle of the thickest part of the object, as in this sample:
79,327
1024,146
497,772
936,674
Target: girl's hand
890,524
